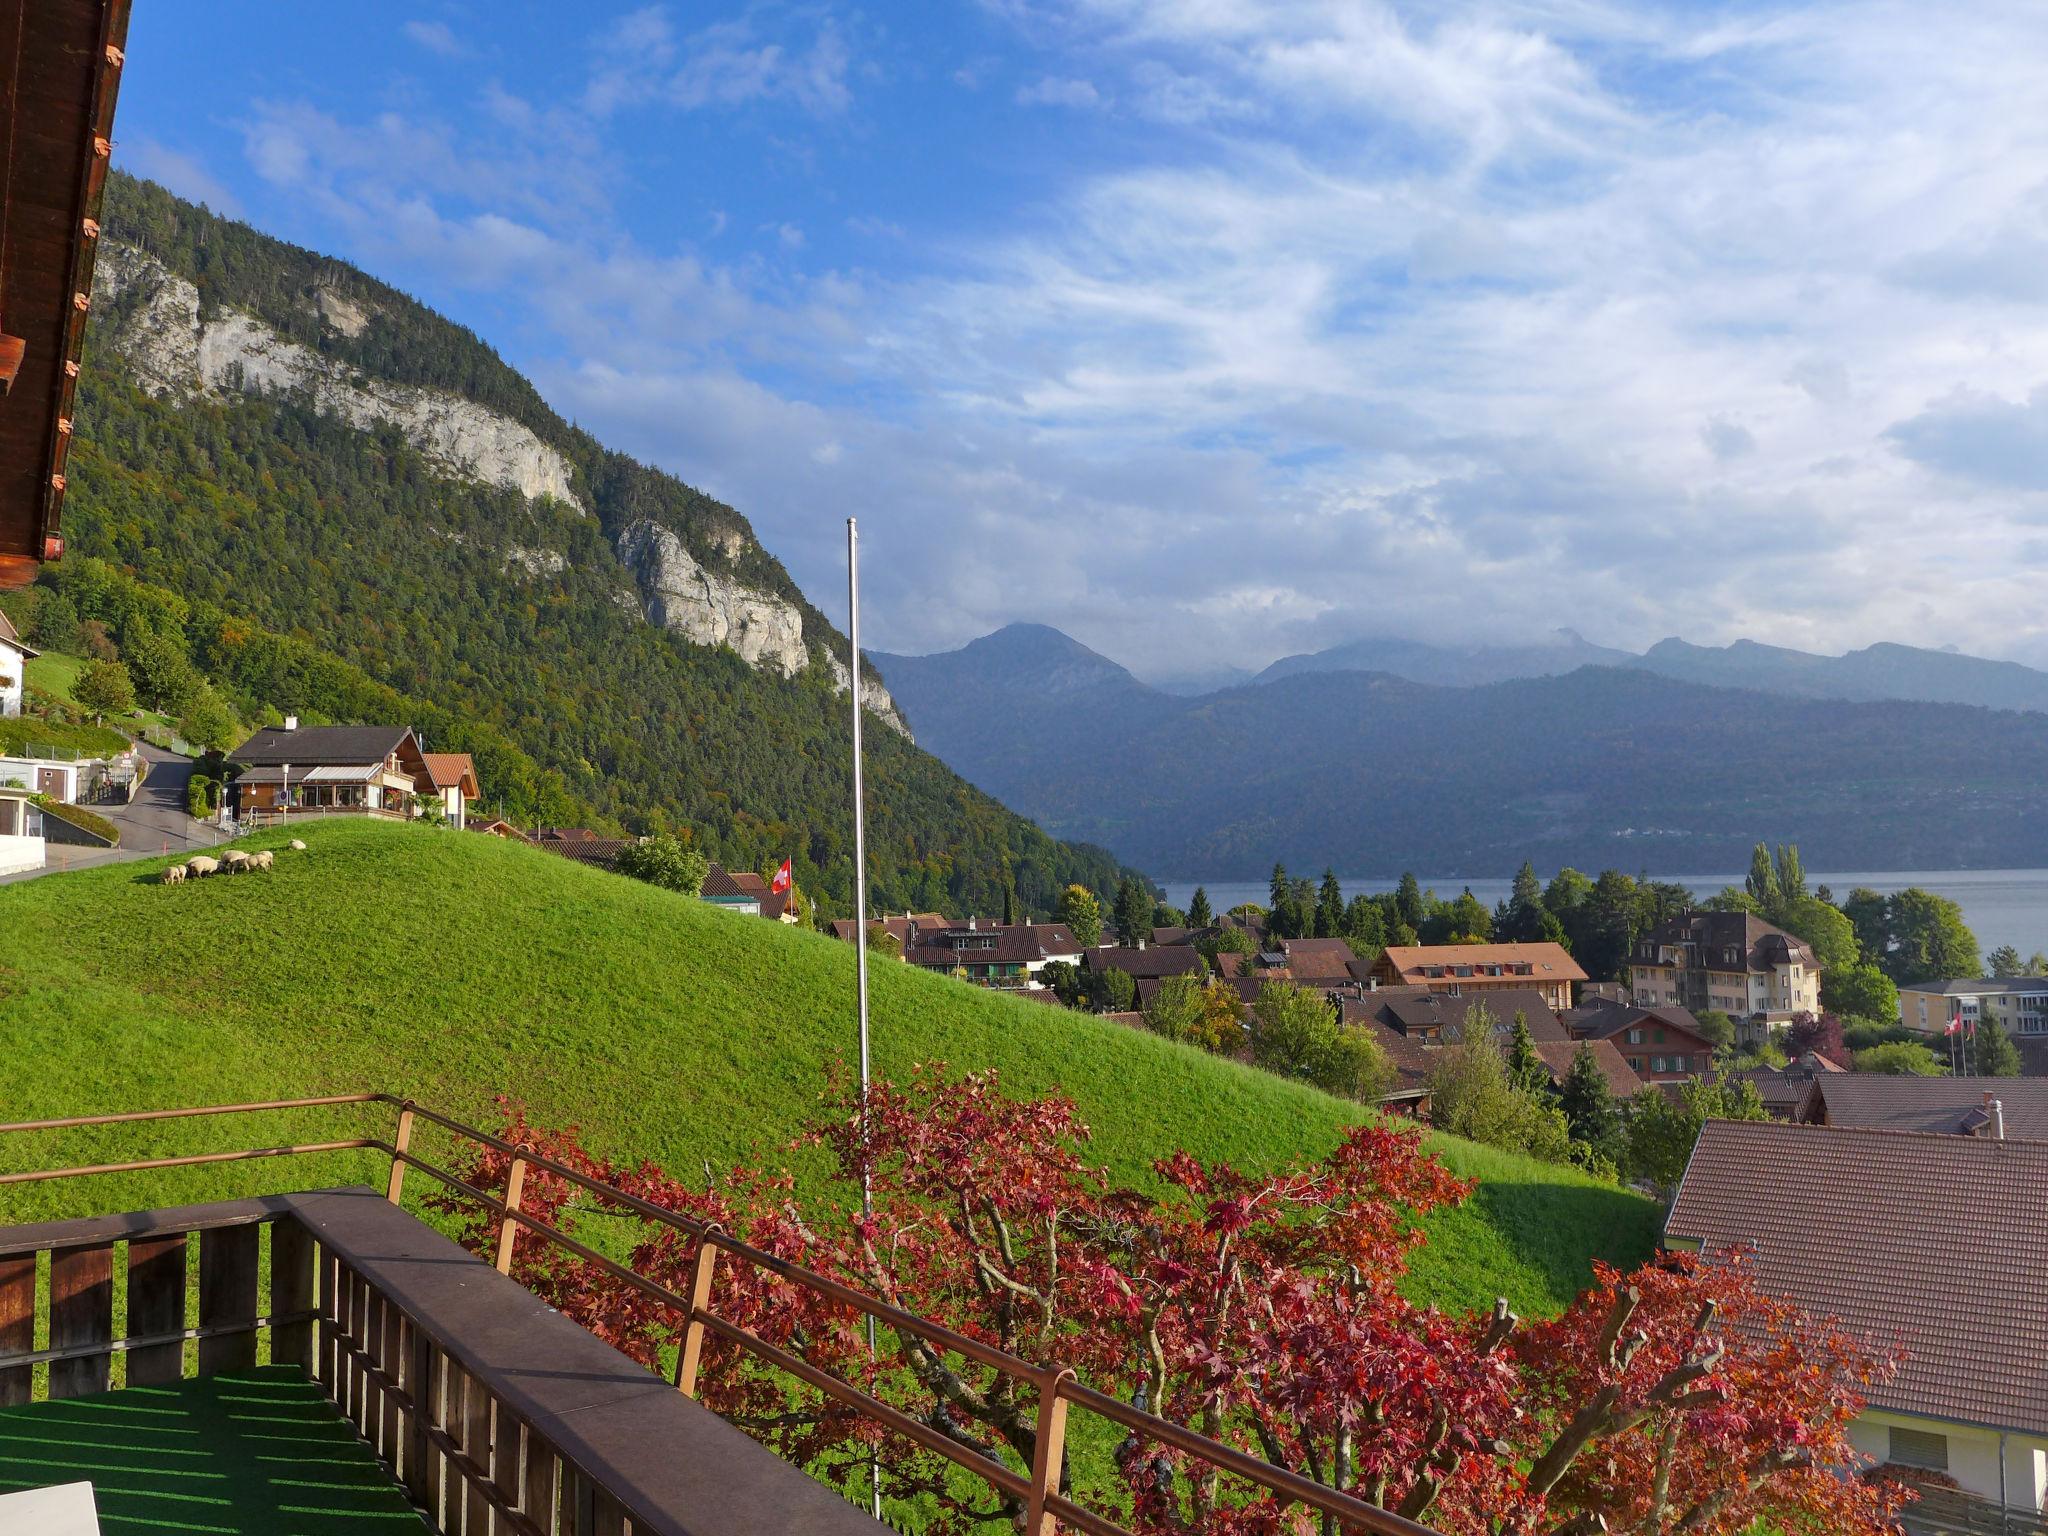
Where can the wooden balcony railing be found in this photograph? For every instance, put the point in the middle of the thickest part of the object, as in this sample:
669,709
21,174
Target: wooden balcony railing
363,1334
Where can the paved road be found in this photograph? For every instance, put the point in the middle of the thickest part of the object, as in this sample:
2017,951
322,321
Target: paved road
154,823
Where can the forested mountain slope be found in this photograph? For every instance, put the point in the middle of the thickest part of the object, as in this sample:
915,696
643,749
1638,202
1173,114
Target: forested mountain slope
277,435
1604,767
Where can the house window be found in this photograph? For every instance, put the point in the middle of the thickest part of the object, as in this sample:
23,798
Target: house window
1656,1063
1919,1448
1635,1037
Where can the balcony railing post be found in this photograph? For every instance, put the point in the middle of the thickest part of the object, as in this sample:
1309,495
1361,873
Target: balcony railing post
691,1356
508,1229
1049,1455
401,1142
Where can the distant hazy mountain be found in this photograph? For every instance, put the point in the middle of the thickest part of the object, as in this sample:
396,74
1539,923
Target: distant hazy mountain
1566,651
1373,773
1877,672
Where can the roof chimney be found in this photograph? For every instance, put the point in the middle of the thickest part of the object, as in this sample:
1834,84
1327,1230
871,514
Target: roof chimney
291,722
1997,1120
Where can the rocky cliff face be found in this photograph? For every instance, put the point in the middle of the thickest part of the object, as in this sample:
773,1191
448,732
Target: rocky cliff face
706,607
172,349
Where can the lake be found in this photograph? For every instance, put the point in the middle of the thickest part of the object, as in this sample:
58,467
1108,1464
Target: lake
2002,906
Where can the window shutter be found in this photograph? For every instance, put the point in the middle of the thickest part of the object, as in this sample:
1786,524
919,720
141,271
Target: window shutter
1919,1448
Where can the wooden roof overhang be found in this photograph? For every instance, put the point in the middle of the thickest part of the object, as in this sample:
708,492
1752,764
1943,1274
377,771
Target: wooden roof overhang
60,68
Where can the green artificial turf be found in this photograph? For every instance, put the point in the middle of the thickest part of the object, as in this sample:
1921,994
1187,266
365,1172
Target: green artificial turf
259,1453
453,967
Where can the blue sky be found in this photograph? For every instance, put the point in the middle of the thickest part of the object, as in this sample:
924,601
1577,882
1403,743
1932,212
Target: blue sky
1213,330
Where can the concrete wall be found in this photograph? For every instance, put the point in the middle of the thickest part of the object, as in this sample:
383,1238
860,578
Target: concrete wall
20,853
1972,1455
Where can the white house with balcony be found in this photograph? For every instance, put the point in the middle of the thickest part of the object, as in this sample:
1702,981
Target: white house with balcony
14,655
21,831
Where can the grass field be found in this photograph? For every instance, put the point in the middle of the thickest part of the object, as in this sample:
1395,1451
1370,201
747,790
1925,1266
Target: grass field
452,967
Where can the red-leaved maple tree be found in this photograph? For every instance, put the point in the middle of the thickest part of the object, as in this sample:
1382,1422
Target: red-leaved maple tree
1261,1310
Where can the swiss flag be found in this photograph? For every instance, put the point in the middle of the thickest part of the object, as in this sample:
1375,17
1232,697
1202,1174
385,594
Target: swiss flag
1955,1023
780,883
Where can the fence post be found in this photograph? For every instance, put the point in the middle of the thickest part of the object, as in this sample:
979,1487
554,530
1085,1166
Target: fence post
1049,1455
691,1356
402,1140
508,1229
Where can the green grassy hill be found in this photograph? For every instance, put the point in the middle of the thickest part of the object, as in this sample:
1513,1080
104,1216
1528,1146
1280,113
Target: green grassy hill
452,967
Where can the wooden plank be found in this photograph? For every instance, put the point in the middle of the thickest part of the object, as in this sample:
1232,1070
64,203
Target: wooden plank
227,1294
391,1422
40,1236
291,1290
81,1312
17,1326
156,1305
543,1472
476,1441
419,1378
607,1517
507,1467
329,1323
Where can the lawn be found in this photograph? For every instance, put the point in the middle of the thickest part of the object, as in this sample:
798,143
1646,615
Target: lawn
454,967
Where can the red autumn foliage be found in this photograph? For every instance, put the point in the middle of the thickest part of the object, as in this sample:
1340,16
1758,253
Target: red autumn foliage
1262,1311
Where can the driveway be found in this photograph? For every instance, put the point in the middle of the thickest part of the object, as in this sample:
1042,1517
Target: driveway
154,823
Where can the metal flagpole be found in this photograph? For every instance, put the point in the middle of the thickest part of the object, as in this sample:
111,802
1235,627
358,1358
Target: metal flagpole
860,919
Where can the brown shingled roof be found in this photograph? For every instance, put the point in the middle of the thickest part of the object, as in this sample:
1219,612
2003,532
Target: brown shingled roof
1936,1243
1317,959
1952,1105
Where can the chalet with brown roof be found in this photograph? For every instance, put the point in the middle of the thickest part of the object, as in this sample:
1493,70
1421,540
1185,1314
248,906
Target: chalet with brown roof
898,927
451,776
1138,964
1727,962
1413,1026
1661,1045
1008,956
1464,969
290,770
1318,959
1935,1244
14,655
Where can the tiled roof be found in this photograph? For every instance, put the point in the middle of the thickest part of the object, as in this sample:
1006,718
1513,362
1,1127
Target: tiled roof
1057,938
1983,986
1167,960
1954,1105
1316,959
448,769
721,886
1413,1010
1602,1020
601,851
1015,945
1622,1081
1755,944
1546,962
320,744
1936,1243
898,926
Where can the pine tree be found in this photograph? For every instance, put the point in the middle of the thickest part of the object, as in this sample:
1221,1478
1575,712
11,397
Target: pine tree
1133,914
1408,904
1009,903
1525,1068
1329,907
1199,915
2004,961
1588,1103
1995,1054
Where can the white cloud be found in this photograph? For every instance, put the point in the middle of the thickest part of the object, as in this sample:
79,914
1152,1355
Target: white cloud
436,37
1569,303
1054,92
184,174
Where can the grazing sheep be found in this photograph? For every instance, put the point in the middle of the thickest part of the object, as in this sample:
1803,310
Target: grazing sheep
234,862
262,860
202,866
175,875
297,846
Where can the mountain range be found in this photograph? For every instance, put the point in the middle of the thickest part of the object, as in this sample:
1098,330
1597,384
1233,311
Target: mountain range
1643,763
287,445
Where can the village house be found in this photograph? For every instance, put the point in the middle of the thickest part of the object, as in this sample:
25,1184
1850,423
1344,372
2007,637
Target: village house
1466,969
21,831
1931,1243
1661,1045
1317,959
900,927
1728,962
373,770
1009,956
1784,1089
1147,962
14,655
1952,1106
1414,1025
452,776
2018,1003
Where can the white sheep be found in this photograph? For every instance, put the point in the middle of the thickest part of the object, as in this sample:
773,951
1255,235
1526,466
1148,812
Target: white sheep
297,846
202,866
175,875
234,862
262,860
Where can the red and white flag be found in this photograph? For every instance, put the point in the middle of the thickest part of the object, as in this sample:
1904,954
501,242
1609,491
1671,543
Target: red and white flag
780,883
1955,1023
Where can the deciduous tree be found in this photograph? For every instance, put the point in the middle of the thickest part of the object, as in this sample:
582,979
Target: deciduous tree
104,689
1265,1311
667,862
1082,914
